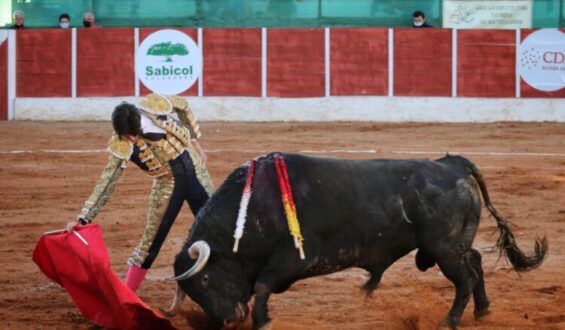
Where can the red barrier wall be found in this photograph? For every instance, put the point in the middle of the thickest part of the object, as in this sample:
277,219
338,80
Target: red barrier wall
422,62
295,60
486,63
193,33
105,59
529,91
4,80
295,63
232,62
359,61
43,63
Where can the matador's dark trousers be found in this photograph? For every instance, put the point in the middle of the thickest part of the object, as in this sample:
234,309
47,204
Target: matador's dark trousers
168,193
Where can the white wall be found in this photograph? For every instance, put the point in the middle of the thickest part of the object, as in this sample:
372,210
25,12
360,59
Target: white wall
362,108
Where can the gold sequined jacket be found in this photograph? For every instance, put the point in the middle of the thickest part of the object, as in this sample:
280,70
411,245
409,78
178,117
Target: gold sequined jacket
150,155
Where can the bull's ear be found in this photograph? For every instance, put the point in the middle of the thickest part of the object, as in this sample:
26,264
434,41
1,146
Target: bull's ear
200,250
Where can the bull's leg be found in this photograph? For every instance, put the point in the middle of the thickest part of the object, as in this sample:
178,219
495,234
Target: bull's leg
456,266
278,274
479,293
377,271
260,313
378,266
373,282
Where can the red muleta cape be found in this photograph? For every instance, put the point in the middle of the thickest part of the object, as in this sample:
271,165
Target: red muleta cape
83,269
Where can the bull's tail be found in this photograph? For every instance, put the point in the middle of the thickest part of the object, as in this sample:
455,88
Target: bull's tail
506,241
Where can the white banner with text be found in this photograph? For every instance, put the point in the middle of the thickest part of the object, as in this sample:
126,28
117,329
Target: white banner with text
483,14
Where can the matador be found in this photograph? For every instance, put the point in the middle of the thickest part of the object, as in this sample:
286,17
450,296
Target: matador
161,137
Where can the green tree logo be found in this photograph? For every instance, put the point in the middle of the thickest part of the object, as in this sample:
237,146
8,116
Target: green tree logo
167,49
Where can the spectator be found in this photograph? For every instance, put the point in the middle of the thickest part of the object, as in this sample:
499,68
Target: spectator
18,19
419,19
64,21
88,20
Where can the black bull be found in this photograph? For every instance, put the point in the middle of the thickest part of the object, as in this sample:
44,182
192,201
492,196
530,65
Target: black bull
352,213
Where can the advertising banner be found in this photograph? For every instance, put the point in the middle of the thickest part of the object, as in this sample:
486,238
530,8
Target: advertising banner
541,60
168,62
484,14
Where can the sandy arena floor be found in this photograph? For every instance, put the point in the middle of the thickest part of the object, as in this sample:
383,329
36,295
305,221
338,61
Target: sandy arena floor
43,187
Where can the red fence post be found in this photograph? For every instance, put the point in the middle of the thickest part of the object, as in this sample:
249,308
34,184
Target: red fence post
232,65
295,63
359,61
105,59
43,63
422,62
486,63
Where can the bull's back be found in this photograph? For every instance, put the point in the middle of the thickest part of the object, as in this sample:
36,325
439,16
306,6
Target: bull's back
361,183
370,200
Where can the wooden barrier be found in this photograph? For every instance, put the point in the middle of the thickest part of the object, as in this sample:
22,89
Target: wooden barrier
232,62
359,61
295,63
422,62
486,63
105,62
43,63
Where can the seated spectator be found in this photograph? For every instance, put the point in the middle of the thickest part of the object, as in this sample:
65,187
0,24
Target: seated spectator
419,19
88,20
18,19
64,21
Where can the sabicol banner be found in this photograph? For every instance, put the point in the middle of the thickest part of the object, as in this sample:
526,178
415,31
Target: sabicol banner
168,62
541,60
485,14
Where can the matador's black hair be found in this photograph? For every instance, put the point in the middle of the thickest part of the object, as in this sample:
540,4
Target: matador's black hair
126,120
419,13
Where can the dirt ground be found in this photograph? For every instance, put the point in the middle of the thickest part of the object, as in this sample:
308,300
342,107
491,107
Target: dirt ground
48,169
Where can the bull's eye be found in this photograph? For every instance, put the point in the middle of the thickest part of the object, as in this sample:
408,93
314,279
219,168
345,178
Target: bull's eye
205,279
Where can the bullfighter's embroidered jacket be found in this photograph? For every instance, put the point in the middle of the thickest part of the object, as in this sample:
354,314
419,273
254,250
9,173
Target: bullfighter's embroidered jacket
168,126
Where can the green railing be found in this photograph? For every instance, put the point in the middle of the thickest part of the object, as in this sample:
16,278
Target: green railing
252,13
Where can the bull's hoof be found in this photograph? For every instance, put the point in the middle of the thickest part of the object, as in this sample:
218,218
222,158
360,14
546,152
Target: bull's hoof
480,312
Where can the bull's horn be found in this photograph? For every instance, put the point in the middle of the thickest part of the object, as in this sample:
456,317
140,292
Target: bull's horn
200,250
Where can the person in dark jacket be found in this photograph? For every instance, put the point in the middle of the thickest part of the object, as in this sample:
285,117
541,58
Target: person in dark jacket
419,20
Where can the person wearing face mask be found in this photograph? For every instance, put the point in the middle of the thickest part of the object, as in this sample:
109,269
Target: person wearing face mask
88,20
419,20
64,21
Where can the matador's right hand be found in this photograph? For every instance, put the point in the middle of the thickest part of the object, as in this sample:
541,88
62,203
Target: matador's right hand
70,225
79,222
